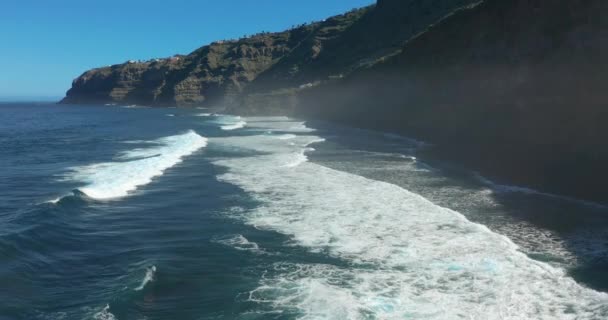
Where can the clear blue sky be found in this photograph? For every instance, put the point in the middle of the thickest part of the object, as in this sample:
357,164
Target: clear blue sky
44,44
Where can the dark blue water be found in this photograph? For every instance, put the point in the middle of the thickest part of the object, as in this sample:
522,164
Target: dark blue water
109,212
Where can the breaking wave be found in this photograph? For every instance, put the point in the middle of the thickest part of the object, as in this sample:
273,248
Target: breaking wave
104,314
137,167
406,258
234,126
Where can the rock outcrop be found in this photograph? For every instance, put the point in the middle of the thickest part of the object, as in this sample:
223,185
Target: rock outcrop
227,72
208,75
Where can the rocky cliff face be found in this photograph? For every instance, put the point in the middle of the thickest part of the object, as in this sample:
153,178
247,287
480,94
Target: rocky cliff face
228,72
513,88
204,76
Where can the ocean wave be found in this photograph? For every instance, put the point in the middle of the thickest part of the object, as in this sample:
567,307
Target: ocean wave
406,256
234,126
54,201
104,314
278,124
296,159
149,277
138,167
134,106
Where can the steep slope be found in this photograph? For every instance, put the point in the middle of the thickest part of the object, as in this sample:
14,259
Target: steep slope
339,48
513,88
204,77
235,73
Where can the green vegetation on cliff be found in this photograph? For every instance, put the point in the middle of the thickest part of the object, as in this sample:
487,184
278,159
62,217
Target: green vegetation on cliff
227,72
207,75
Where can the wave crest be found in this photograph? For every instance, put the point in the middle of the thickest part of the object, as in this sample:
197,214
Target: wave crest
116,179
149,277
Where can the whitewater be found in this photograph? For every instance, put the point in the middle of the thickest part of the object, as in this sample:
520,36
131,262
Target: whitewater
405,257
211,216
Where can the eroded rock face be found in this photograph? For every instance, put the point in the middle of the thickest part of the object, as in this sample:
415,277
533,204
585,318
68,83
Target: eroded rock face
228,71
203,76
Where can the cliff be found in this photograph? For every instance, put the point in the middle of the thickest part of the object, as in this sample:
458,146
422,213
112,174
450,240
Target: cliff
227,72
209,74
514,89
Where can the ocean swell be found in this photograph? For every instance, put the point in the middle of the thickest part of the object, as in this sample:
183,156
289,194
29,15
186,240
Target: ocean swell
137,167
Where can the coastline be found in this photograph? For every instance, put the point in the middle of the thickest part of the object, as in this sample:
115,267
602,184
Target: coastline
510,166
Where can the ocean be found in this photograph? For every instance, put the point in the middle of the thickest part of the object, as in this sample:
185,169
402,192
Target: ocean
127,212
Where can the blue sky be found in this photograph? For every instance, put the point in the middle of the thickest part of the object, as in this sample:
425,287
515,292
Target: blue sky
45,44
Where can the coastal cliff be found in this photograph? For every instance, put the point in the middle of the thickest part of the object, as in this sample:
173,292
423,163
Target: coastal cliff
211,73
225,72
514,89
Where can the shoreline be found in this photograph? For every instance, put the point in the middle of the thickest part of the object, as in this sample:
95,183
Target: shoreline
504,165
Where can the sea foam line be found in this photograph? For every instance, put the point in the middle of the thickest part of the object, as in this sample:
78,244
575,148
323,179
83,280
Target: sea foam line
138,167
104,314
149,277
408,258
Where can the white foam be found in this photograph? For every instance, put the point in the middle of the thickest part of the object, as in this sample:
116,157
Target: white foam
203,115
406,258
234,126
411,158
296,159
104,314
227,122
280,124
136,142
54,201
286,136
170,115
149,277
116,179
239,242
